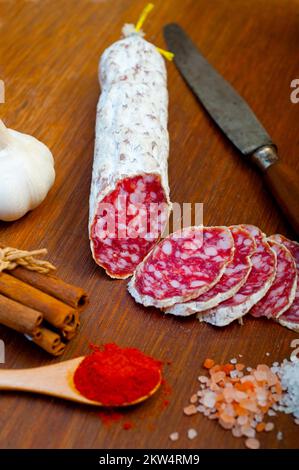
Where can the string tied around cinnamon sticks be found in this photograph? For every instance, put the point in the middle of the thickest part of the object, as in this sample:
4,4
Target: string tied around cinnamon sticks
10,258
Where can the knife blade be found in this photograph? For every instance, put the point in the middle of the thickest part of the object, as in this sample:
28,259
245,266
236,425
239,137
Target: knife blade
235,118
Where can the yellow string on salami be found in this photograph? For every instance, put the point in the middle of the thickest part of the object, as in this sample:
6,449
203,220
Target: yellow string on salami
167,54
143,16
148,8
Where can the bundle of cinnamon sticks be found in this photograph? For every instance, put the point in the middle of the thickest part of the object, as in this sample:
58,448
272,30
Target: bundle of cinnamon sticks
42,306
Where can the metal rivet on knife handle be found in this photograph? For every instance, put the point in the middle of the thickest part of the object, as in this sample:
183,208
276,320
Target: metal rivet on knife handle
265,156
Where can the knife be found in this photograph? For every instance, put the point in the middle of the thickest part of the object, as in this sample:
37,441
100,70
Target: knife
236,119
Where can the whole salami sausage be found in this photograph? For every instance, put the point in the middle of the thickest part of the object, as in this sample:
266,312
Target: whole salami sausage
281,294
234,276
290,318
257,285
182,266
129,198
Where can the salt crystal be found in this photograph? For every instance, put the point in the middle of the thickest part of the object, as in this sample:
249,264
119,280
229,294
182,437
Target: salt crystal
218,376
269,427
247,378
234,374
263,367
193,398
271,413
190,410
271,378
209,399
203,379
249,369
229,385
201,408
267,354
192,433
241,420
238,395
229,410
248,431
279,436
236,431
240,355
233,361
289,376
229,394
260,375
174,436
214,387
225,425
252,443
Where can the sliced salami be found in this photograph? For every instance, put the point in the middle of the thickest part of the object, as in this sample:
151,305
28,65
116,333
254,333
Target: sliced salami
235,275
290,317
257,285
182,266
129,198
281,294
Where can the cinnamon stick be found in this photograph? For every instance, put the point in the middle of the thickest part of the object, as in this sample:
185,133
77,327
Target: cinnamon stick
72,295
54,311
19,317
50,342
70,330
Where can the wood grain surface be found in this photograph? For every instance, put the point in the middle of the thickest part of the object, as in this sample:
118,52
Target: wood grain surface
49,53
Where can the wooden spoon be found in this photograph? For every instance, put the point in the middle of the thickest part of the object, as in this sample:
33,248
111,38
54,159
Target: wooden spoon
55,380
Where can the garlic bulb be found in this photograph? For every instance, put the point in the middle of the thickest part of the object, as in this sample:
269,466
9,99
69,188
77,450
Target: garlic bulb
26,173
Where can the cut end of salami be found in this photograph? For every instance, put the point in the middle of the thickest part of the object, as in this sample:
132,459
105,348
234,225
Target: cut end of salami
128,223
182,266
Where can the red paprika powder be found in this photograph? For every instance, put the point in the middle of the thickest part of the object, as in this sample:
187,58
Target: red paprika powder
115,376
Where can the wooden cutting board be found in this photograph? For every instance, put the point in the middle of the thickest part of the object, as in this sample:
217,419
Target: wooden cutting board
49,53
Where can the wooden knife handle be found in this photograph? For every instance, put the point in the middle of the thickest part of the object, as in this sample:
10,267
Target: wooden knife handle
282,180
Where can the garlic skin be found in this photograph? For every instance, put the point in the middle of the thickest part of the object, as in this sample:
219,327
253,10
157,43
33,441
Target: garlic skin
26,173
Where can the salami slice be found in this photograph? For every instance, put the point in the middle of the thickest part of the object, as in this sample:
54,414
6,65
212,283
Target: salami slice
290,317
182,266
235,275
258,283
281,294
129,198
